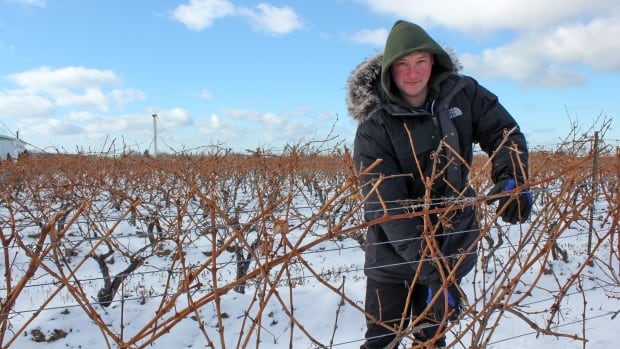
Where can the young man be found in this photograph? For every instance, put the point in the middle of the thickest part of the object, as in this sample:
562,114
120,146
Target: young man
421,119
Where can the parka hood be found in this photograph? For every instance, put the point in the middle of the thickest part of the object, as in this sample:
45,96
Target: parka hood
371,81
363,88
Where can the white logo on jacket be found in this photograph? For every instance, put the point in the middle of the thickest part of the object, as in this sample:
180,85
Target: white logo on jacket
454,112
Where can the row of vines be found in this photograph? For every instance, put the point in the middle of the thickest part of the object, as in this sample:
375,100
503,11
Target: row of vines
89,227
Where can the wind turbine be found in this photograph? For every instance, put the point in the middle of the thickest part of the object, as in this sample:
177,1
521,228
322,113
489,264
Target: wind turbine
155,134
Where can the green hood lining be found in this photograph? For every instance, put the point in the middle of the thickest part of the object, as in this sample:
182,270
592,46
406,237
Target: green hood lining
405,38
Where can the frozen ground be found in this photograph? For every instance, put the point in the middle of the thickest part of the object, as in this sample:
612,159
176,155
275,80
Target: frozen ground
316,308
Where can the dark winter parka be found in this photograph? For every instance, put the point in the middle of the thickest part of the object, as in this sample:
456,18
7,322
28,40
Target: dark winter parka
412,141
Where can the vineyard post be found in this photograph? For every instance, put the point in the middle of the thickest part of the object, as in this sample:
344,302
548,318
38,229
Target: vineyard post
594,194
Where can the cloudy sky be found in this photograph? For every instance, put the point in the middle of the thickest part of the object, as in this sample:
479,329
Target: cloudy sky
89,75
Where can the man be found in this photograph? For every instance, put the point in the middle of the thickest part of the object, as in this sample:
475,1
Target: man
417,123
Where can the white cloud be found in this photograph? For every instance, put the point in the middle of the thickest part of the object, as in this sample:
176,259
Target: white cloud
549,41
220,129
93,127
91,98
22,104
45,92
271,19
374,37
214,122
82,125
200,14
73,86
520,63
174,118
275,129
125,96
206,94
264,118
595,43
488,16
550,57
81,116
52,127
45,78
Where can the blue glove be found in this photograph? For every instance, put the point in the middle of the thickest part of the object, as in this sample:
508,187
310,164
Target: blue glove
439,307
514,209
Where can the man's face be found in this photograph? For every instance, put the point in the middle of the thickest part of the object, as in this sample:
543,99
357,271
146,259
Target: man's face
411,74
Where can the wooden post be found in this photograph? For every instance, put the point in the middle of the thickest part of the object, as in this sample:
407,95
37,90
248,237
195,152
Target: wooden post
594,193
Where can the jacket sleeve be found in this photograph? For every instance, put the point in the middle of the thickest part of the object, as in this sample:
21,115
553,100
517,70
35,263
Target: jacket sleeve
492,131
372,142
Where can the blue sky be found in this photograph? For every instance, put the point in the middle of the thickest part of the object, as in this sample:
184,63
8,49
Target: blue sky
88,75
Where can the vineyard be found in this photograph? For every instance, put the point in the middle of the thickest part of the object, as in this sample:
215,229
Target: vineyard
222,250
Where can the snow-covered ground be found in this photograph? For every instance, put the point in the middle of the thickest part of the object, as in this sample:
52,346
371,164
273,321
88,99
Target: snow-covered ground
319,311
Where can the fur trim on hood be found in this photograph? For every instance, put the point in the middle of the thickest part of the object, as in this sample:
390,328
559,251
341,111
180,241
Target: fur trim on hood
362,94
364,83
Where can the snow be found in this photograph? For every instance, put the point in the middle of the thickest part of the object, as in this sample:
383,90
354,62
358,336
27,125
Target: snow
320,312
317,309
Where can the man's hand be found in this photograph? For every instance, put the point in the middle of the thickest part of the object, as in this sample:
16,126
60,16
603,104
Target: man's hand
514,209
448,302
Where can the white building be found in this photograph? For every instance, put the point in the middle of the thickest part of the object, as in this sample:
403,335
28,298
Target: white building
11,147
